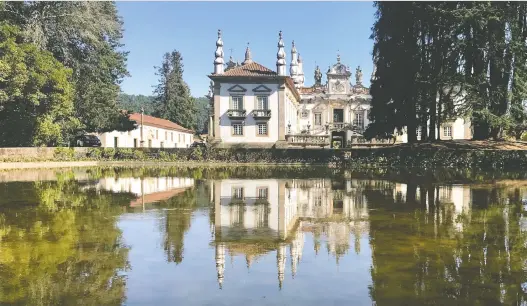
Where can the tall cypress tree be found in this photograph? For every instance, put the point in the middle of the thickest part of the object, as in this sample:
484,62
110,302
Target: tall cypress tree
172,95
439,61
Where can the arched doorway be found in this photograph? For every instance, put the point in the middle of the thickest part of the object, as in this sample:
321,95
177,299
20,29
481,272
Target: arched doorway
338,139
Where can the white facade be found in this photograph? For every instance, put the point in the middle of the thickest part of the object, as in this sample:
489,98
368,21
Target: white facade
154,137
156,133
248,98
143,186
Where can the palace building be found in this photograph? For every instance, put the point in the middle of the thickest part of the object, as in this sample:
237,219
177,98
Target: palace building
257,106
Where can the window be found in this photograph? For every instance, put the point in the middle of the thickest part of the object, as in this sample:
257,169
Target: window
447,131
171,136
237,129
317,201
338,115
262,192
237,193
166,135
318,119
157,134
237,102
358,119
179,138
261,102
261,129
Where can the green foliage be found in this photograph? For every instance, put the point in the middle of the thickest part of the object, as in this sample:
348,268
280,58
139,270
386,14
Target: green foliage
124,153
36,94
438,61
64,154
134,103
196,154
139,155
94,153
83,36
202,117
172,95
108,153
62,246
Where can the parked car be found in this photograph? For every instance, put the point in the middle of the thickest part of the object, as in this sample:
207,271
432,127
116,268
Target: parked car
86,141
198,144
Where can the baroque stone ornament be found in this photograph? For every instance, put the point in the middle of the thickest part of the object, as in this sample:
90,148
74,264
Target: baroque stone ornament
358,76
318,77
338,86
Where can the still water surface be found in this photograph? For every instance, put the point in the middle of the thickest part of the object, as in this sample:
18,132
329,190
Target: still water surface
120,237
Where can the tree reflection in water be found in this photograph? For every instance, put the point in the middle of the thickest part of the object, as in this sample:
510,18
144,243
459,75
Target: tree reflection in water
435,257
59,245
431,244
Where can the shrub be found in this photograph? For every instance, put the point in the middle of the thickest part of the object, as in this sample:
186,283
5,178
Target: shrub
63,154
139,155
124,153
108,153
94,153
196,154
164,156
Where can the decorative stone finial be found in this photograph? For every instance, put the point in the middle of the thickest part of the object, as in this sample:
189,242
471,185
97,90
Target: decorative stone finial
280,56
338,56
248,59
301,76
218,61
293,67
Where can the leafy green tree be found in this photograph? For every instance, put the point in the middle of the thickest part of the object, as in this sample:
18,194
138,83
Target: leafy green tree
438,61
172,94
202,117
36,94
84,36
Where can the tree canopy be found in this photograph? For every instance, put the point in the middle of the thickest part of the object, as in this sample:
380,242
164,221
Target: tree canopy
85,37
172,94
36,93
436,61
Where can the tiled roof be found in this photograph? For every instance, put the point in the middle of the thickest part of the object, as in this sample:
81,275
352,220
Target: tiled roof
156,197
252,69
256,70
158,122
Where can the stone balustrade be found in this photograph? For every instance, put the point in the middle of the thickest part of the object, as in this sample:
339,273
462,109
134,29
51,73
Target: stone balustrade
308,140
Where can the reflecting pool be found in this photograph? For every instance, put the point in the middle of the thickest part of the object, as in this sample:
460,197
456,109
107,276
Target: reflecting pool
258,237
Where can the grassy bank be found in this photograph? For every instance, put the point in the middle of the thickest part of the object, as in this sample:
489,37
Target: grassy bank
417,157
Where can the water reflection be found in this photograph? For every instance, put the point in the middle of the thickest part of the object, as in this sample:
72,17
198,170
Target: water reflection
70,239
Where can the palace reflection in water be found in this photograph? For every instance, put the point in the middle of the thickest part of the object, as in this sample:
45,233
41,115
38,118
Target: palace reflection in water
424,243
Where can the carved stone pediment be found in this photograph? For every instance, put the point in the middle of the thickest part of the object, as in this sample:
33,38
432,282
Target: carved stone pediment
262,88
237,88
320,106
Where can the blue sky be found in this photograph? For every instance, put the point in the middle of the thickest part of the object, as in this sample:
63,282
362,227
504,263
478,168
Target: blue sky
319,29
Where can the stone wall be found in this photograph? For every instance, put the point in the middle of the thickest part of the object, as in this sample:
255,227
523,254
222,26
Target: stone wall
40,153
402,157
